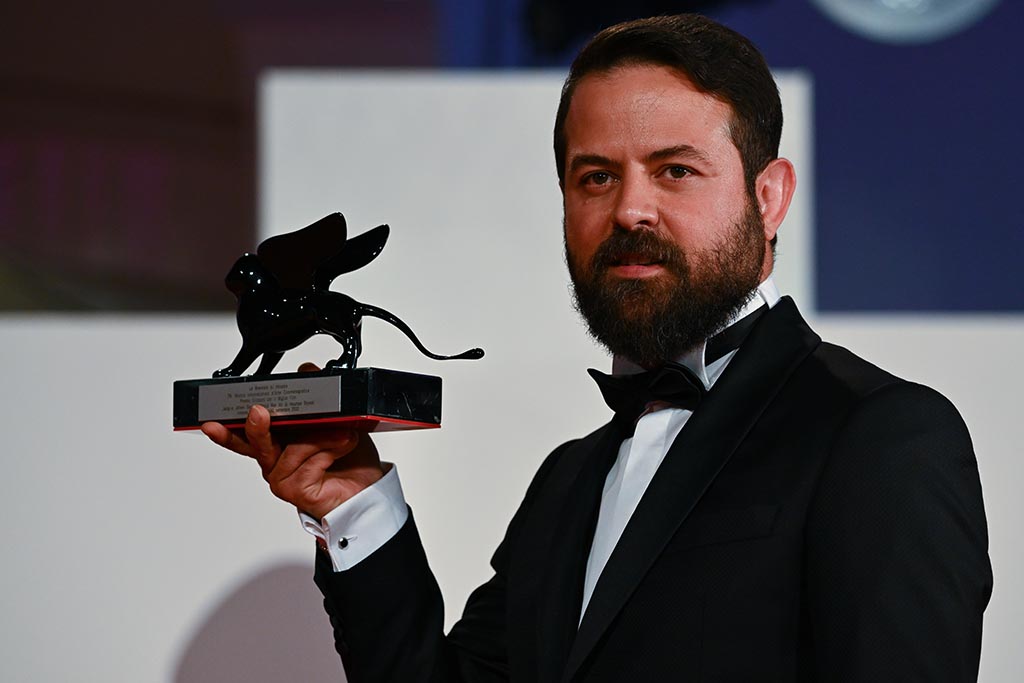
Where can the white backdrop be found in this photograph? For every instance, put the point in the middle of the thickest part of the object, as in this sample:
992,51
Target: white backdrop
136,554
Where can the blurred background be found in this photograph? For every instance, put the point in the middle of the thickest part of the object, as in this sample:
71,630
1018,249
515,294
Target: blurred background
128,141
144,146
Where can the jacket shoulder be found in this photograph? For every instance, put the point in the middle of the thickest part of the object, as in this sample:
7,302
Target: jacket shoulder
847,371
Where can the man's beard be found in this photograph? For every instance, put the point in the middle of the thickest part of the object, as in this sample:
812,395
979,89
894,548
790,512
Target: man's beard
658,319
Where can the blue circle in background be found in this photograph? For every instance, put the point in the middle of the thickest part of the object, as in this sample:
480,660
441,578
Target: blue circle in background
905,21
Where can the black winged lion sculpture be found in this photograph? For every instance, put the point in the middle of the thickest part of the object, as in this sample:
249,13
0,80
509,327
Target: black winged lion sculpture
284,296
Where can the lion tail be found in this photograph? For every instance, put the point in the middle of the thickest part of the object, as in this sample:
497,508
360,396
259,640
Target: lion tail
386,316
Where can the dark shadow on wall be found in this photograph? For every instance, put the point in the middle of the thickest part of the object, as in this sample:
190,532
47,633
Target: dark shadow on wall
270,629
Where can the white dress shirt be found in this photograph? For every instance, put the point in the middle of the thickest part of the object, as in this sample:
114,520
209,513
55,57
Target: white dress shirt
362,524
641,454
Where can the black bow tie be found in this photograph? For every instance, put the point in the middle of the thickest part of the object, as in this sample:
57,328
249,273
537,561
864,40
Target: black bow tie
628,395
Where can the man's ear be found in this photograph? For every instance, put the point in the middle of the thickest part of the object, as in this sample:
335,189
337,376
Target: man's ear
773,191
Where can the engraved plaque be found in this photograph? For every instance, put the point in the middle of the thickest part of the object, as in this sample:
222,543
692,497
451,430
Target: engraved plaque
231,401
368,399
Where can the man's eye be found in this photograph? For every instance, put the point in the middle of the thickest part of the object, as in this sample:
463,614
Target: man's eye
597,178
678,171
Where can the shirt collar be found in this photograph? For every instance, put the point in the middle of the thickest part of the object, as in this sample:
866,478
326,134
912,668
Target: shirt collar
766,294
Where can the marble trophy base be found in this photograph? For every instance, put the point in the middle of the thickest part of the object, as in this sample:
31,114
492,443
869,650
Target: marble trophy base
365,399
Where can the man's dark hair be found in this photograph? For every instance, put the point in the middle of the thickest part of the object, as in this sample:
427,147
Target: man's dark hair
719,62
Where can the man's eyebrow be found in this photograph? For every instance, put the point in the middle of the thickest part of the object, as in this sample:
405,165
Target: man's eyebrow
682,151
581,160
678,151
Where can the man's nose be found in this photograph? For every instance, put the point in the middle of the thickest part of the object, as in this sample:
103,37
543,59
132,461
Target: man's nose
636,204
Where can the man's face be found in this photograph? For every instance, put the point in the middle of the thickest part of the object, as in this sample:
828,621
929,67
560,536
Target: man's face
663,242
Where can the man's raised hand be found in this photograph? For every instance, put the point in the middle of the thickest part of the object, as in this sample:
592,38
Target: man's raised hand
315,469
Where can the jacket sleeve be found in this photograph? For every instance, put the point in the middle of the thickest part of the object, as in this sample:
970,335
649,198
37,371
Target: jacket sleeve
388,615
898,573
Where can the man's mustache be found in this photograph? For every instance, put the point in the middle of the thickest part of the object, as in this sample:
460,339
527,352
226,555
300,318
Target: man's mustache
636,246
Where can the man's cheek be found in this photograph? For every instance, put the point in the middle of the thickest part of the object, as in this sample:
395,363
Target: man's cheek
580,263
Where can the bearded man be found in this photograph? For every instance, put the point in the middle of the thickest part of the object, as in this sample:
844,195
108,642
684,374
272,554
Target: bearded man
764,506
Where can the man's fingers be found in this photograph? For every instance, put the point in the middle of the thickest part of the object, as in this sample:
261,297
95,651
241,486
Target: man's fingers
257,433
299,455
309,367
301,485
317,470
256,442
224,437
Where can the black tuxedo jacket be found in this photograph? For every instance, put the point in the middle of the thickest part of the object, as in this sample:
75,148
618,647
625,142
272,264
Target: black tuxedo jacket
817,519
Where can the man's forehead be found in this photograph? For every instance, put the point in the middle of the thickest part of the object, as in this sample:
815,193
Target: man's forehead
656,103
636,71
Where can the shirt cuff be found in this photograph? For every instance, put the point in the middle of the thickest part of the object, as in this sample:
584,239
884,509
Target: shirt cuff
363,523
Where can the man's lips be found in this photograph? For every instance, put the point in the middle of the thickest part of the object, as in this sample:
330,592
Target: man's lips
635,260
638,267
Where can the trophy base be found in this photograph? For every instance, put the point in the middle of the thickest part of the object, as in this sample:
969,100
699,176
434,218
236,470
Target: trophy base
364,399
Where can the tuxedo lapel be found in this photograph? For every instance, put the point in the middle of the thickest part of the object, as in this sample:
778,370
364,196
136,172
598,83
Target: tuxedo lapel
776,345
566,549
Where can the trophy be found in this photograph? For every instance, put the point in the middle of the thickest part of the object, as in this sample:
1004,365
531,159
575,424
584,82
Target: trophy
283,300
